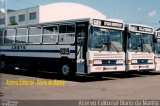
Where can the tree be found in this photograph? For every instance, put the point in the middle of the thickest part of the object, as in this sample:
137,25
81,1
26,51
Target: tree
13,23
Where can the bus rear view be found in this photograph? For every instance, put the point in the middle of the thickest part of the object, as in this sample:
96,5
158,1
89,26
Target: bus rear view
139,50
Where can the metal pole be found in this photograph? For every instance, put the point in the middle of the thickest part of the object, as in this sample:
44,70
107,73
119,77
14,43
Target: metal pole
6,17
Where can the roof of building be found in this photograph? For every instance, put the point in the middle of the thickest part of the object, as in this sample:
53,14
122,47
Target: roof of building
2,10
65,11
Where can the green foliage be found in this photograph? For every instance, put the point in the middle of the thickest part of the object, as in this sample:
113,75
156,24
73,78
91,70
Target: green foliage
13,23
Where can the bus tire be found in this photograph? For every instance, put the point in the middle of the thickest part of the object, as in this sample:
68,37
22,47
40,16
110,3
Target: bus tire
67,70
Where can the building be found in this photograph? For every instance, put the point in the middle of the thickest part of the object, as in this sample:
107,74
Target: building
52,12
2,15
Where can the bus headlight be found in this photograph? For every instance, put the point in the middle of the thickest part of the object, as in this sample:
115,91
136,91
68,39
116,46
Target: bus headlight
120,61
150,61
90,61
129,62
97,62
134,61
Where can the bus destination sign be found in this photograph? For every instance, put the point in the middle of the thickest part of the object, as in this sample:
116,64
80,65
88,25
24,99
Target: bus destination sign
141,28
107,23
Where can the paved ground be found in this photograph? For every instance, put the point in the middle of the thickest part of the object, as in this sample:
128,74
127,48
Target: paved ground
110,86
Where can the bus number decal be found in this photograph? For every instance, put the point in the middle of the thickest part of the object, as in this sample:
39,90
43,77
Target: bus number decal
64,51
18,47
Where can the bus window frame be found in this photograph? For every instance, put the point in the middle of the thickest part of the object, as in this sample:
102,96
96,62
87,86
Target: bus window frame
50,34
22,35
2,37
40,35
65,43
13,36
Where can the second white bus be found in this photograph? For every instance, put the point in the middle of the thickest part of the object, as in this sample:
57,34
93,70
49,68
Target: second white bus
139,47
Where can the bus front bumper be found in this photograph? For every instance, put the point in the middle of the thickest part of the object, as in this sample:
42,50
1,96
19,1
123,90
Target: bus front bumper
99,69
140,67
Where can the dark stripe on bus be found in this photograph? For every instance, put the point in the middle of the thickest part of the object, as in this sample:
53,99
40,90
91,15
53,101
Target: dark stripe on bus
47,51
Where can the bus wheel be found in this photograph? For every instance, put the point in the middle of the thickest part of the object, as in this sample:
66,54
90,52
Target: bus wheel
66,70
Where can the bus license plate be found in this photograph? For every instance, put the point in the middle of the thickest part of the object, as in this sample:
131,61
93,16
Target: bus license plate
143,66
109,68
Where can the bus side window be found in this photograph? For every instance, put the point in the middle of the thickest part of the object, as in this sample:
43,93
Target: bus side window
50,35
9,36
66,34
35,35
81,33
21,36
1,37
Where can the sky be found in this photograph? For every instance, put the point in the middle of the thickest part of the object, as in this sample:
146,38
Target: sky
130,11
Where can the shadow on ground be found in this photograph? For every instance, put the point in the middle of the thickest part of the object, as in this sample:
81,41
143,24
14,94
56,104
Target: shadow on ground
82,78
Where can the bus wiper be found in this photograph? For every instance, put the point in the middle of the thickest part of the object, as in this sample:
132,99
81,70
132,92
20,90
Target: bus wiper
146,48
136,47
99,46
103,47
114,47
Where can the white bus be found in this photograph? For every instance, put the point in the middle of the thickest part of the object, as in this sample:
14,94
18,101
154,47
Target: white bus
139,47
157,50
82,46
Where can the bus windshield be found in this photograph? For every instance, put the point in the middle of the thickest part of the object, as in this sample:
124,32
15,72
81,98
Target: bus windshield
147,42
140,42
157,48
135,42
105,40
